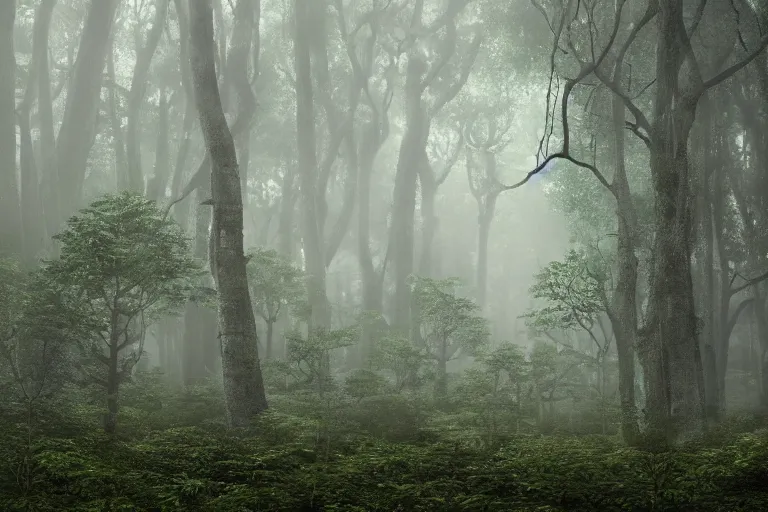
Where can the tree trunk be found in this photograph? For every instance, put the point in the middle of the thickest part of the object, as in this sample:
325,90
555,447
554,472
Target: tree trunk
121,166
670,345
159,181
623,310
181,209
10,213
48,170
305,125
243,384
412,150
484,220
247,14
270,335
138,91
200,320
77,130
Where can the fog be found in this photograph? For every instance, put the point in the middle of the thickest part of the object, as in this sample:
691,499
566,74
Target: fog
327,224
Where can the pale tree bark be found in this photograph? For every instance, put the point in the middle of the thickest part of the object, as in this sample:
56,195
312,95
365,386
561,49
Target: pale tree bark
243,384
48,168
668,344
305,125
419,77
432,174
158,183
144,54
78,126
32,217
487,136
118,140
10,214
246,29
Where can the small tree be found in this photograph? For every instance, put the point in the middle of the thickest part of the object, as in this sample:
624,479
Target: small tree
36,337
448,324
308,356
275,285
575,302
397,355
126,266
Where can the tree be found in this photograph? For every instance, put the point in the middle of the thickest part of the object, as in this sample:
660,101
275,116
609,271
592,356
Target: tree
10,223
448,324
243,383
668,341
440,72
78,126
574,301
275,285
123,266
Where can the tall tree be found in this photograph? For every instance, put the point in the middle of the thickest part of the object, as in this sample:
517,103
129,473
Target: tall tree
145,51
10,215
305,125
78,126
421,77
668,343
243,383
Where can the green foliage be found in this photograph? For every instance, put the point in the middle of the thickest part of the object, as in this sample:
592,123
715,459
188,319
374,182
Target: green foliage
363,383
121,253
308,356
448,319
122,265
398,356
284,465
573,296
275,283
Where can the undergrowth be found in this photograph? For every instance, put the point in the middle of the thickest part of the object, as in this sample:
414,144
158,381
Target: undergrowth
335,453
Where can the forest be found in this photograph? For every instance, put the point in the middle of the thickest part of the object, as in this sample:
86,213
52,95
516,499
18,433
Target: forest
384,255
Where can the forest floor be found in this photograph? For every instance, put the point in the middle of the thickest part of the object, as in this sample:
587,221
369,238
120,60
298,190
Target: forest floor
172,453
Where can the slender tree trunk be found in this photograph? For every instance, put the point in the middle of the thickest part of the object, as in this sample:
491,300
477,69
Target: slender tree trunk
305,122
247,14
181,209
144,55
412,150
243,383
158,183
624,308
270,336
121,166
484,221
48,169
10,214
200,320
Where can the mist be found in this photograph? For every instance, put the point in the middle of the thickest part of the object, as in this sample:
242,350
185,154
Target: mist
383,255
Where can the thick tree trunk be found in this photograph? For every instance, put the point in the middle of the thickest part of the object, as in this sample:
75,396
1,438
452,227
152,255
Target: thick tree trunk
670,346
78,126
672,361
10,214
243,383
